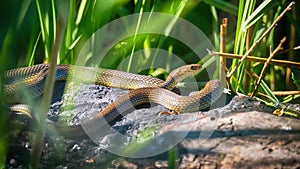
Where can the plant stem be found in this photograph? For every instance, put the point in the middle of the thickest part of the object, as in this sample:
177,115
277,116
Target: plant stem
260,39
284,63
46,99
278,48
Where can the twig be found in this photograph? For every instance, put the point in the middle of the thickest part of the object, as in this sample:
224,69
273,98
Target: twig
248,64
288,50
260,39
224,67
278,48
284,63
223,34
285,93
291,56
266,97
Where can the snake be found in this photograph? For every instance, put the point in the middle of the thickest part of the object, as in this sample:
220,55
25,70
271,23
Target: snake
32,79
143,89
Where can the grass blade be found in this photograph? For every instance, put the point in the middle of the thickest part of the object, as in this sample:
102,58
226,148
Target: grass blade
223,5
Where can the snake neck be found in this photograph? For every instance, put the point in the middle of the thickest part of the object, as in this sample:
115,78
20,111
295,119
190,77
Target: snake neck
169,83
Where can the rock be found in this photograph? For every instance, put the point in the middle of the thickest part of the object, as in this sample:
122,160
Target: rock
242,134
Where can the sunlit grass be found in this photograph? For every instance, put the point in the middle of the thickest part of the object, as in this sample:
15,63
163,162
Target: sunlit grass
256,19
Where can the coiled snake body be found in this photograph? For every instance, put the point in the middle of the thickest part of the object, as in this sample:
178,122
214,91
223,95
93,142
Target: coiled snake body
146,90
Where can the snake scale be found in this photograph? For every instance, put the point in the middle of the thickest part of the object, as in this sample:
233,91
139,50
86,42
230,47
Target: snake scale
147,89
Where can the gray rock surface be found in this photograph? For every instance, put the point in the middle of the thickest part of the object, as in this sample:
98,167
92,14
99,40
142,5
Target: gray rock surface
242,134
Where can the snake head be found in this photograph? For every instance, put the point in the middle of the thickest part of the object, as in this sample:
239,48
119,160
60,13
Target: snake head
181,73
185,71
194,67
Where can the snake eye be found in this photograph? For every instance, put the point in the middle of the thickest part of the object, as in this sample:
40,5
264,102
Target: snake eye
195,67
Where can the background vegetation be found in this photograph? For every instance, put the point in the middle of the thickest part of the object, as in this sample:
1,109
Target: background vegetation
28,30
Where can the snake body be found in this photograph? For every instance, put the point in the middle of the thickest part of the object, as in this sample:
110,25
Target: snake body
32,79
146,90
123,104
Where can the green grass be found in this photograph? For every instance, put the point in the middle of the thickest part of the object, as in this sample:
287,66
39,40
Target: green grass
258,19
28,36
